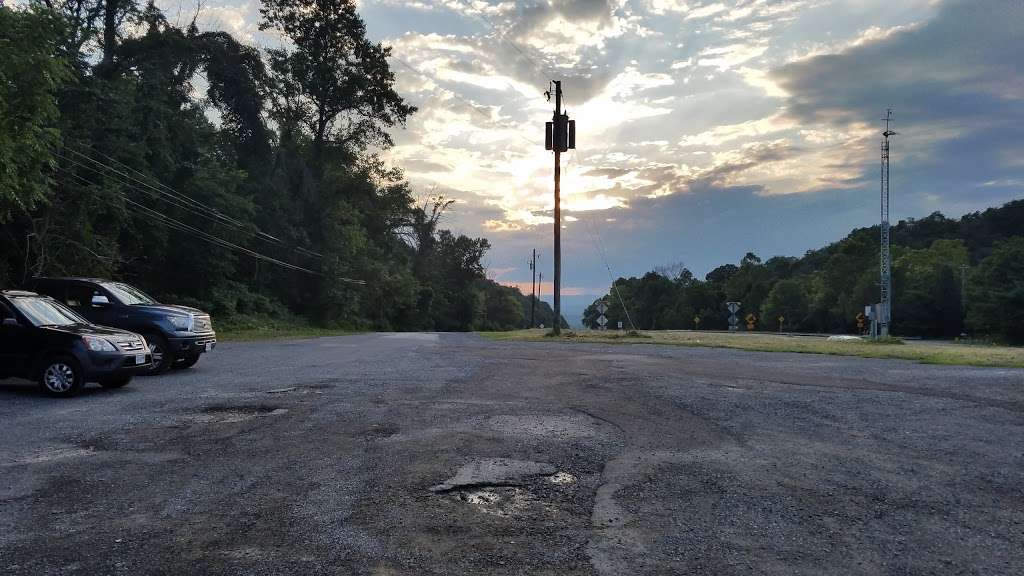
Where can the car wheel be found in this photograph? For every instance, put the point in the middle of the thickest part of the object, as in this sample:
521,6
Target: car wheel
61,376
116,382
163,358
186,362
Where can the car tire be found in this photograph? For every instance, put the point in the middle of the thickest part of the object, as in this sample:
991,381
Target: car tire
61,376
163,358
186,362
116,382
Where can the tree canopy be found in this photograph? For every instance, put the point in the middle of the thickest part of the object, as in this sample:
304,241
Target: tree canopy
210,172
933,259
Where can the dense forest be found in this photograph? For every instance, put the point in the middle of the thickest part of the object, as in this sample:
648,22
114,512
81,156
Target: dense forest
934,258
206,171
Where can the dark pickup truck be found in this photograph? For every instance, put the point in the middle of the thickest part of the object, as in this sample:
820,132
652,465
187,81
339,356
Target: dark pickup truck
177,335
43,340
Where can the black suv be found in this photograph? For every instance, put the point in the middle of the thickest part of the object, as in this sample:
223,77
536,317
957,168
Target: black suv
43,340
177,335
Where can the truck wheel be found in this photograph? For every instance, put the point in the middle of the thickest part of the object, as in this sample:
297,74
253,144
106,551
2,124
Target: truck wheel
61,376
161,353
186,362
116,382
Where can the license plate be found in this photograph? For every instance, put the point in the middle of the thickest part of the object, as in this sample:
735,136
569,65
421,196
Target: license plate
140,359
209,346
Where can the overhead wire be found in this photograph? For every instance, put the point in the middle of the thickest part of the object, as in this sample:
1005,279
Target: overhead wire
178,199
595,236
206,236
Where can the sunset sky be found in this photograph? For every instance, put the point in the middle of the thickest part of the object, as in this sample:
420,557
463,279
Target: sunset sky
705,129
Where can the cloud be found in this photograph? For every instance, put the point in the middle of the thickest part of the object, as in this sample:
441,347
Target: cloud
952,67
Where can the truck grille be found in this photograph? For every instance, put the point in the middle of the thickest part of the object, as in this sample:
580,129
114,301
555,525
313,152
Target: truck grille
202,324
130,344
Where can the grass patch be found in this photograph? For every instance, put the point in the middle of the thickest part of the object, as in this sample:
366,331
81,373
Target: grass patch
252,328
925,352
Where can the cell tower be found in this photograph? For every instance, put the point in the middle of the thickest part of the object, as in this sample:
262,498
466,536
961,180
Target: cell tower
885,312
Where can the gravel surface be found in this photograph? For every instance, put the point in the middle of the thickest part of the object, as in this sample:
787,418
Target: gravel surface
318,457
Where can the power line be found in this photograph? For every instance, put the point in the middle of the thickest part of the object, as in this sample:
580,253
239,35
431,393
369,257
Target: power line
544,70
180,200
595,236
459,97
210,238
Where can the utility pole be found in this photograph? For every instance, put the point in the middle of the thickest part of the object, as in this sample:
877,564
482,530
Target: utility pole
560,137
885,281
540,286
533,288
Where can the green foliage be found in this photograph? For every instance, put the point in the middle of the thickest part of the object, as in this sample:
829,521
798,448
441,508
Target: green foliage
104,129
996,292
31,75
825,289
786,300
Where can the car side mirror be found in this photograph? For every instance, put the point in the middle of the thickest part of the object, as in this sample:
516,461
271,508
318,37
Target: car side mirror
13,322
100,300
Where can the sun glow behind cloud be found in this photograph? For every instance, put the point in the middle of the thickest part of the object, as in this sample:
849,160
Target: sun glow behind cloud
685,99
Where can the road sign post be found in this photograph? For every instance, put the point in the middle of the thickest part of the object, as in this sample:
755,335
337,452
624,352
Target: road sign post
734,320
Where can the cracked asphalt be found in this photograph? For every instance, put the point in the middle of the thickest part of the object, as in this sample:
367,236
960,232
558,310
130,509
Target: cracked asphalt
318,457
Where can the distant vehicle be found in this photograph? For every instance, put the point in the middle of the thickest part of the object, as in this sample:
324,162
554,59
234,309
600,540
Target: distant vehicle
177,335
43,340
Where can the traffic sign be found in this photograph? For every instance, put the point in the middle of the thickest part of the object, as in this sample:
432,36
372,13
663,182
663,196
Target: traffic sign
733,307
602,320
601,307
751,320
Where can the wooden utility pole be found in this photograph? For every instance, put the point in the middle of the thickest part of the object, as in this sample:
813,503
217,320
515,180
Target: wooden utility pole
533,288
560,137
557,327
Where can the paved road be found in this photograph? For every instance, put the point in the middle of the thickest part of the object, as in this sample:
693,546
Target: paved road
449,454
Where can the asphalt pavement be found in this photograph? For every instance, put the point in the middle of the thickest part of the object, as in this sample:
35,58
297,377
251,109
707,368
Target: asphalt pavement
444,454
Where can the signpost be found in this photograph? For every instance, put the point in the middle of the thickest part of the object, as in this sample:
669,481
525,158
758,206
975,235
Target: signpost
734,321
696,322
602,320
782,319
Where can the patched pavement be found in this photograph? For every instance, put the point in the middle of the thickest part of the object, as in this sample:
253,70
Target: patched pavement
386,454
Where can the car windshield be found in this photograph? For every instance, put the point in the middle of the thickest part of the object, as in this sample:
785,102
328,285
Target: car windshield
46,312
128,295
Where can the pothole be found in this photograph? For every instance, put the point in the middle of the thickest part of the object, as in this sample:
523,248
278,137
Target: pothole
494,472
567,426
562,478
379,431
499,501
226,413
315,388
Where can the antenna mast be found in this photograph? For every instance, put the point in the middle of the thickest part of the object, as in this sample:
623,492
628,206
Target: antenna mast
885,281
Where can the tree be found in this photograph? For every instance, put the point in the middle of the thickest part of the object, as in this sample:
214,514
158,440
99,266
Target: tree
335,83
787,300
996,293
31,75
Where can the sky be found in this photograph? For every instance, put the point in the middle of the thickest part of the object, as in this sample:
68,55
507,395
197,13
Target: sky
705,129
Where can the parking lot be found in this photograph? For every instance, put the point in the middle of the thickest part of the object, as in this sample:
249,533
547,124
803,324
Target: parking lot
386,454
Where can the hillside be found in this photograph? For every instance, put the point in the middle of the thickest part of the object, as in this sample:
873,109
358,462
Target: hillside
824,290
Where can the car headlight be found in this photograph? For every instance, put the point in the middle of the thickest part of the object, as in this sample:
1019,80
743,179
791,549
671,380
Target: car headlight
97,344
181,322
